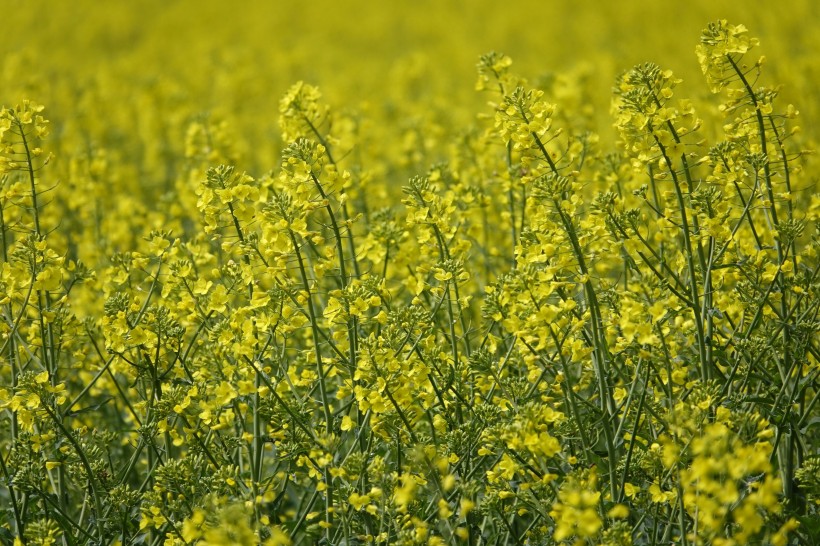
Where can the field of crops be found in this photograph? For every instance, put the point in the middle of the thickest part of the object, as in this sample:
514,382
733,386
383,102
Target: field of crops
428,273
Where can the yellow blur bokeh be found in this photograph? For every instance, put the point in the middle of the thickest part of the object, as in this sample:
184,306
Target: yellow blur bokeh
176,60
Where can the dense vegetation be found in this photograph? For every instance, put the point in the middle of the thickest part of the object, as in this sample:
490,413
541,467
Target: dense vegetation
472,315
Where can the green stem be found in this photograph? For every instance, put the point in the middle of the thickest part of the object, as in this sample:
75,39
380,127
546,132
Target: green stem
705,368
314,326
11,343
92,482
351,321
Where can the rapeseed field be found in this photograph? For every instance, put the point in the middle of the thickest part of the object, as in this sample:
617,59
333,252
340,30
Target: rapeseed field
428,273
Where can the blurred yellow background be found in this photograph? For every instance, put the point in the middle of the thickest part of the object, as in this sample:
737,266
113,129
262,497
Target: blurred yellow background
353,49
135,74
